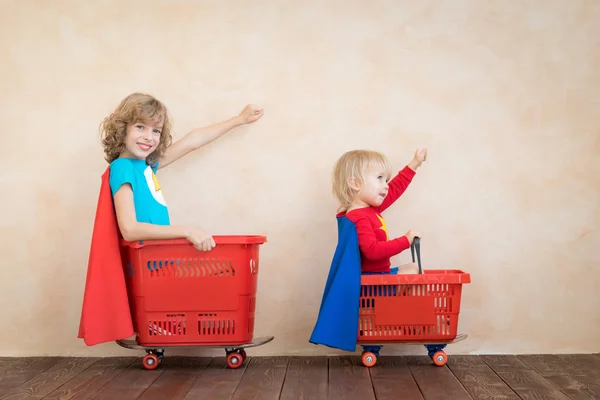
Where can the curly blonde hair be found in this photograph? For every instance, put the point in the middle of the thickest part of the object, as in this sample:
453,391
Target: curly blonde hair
353,164
135,108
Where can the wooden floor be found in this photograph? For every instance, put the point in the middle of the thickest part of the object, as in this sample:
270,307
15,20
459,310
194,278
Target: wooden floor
264,378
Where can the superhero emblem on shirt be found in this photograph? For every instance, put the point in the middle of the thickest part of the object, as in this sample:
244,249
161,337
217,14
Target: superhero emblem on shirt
383,226
156,183
154,186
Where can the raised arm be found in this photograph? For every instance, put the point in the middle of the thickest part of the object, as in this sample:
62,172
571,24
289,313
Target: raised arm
199,137
400,182
397,187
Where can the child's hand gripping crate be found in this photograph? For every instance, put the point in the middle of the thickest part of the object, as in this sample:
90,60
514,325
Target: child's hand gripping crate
413,308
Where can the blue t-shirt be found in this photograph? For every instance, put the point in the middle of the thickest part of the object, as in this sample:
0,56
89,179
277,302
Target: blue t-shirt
150,206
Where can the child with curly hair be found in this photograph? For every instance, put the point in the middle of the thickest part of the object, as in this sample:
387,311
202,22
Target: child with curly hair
137,142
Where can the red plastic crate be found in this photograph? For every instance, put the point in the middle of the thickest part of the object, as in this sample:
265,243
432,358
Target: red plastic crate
410,307
181,296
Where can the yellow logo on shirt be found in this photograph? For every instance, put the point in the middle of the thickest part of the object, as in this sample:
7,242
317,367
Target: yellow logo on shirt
383,226
156,183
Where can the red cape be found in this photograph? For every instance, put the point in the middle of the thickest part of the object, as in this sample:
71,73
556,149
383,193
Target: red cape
105,315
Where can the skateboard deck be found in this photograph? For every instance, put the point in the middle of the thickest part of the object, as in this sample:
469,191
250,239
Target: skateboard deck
458,338
132,344
434,349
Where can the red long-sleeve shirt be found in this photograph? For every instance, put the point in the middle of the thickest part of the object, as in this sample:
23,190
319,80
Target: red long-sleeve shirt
375,246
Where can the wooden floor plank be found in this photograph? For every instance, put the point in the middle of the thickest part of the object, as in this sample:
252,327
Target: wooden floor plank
92,379
528,384
586,367
349,379
575,387
9,363
49,380
583,362
505,362
129,384
575,381
546,364
569,376
179,377
306,379
217,381
523,379
435,382
16,371
263,379
480,381
392,379
467,362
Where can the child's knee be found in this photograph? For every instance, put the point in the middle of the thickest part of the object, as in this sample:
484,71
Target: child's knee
411,268
414,268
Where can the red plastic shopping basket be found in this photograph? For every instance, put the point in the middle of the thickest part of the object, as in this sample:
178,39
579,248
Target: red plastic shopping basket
182,296
410,308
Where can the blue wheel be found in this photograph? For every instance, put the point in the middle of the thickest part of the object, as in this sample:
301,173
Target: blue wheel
434,348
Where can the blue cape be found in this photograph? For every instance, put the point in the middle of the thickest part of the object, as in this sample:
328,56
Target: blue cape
337,323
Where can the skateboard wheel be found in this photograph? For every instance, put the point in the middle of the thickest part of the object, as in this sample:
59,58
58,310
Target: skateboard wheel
242,353
234,360
368,358
150,361
440,358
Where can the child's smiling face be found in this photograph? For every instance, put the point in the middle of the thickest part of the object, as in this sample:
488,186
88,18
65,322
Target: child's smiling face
141,140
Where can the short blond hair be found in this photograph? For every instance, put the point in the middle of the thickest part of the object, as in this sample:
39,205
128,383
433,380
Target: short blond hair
353,164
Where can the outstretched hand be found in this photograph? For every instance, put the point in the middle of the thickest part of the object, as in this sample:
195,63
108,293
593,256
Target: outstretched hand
419,158
251,113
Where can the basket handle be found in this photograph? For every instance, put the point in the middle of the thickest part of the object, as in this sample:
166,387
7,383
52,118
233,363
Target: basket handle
416,246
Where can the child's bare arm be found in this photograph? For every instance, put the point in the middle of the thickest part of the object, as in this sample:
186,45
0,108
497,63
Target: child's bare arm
199,137
132,230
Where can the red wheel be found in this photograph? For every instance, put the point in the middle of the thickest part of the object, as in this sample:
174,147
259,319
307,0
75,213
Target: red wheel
242,353
234,360
440,358
368,359
150,361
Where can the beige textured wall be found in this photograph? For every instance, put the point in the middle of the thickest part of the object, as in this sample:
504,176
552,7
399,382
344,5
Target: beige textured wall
504,94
